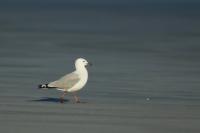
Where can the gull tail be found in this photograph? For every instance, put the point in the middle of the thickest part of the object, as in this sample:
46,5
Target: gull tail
44,86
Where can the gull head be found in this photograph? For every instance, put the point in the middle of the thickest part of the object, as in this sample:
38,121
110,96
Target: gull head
80,62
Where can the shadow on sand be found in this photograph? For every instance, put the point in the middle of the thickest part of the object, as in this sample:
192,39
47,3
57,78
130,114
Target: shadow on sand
49,99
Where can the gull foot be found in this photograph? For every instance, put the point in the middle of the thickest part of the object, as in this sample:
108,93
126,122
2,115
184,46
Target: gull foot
61,100
78,101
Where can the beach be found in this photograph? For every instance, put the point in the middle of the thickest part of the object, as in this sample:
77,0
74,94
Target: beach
145,73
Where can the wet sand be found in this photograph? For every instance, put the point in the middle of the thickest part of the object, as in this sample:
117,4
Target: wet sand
30,114
145,77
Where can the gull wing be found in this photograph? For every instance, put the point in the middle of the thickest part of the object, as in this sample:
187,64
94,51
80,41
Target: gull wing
66,82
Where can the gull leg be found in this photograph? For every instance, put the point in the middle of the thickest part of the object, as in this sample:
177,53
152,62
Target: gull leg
62,97
77,99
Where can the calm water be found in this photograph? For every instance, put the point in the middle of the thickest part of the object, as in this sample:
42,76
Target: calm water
145,76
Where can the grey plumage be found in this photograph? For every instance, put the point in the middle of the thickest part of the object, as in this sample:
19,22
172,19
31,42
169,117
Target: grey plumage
66,82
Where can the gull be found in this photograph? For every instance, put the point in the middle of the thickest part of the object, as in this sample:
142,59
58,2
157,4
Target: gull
72,82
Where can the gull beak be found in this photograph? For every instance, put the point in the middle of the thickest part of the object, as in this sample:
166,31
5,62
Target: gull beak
89,64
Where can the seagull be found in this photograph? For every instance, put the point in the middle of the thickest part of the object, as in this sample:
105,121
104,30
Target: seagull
72,82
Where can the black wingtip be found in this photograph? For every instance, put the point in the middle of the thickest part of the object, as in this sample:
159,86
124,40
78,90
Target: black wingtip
40,86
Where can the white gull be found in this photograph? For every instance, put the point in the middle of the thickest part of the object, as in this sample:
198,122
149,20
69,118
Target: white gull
71,82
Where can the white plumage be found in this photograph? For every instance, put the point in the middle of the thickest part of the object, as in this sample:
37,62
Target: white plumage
72,82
